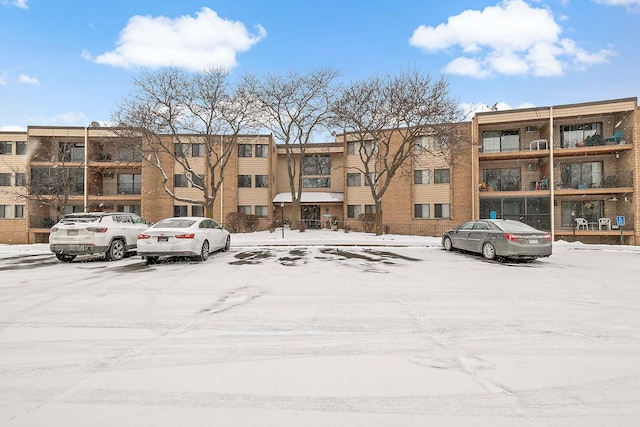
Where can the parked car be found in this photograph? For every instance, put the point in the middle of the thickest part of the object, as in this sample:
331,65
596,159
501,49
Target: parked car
499,238
113,234
194,237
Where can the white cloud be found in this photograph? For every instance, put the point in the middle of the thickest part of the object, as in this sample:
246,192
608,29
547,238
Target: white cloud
11,128
194,43
23,78
22,4
511,38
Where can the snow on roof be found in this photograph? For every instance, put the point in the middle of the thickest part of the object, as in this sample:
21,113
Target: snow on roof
311,197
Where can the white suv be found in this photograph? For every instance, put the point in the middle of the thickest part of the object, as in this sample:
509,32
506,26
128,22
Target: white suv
113,234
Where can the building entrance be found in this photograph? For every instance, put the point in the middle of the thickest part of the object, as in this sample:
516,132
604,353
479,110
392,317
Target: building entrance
310,214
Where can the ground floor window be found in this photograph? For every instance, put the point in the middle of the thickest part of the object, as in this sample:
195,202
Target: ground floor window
421,210
245,209
135,209
180,210
197,210
442,210
262,210
19,211
591,210
353,211
534,211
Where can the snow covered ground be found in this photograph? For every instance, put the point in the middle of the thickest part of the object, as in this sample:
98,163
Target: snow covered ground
322,328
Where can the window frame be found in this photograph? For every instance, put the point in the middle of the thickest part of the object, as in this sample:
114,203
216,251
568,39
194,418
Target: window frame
439,176
245,181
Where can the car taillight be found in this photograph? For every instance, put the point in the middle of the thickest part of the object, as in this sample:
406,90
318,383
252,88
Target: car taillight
513,237
547,237
97,229
143,236
185,236
54,229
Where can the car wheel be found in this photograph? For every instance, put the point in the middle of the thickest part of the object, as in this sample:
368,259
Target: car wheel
448,245
204,252
65,257
489,251
227,244
116,251
151,259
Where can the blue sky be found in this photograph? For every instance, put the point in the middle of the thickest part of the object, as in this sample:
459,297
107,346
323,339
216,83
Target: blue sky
70,62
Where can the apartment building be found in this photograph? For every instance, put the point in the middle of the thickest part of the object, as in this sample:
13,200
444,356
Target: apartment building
570,169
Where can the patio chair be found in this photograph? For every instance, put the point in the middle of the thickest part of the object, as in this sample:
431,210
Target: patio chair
582,222
617,137
604,223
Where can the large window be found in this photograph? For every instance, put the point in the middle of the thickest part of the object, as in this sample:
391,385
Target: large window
5,179
129,183
421,176
502,179
572,135
441,210
262,150
316,182
71,152
245,150
421,210
441,176
5,147
317,164
501,140
262,211
591,210
354,179
582,175
244,181
353,211
262,181
534,211
129,154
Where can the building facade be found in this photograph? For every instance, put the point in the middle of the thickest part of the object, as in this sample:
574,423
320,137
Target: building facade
569,169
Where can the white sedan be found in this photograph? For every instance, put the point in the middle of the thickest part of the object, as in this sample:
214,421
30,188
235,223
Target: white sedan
183,236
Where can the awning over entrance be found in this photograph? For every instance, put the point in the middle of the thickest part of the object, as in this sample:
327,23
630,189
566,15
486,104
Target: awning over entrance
311,197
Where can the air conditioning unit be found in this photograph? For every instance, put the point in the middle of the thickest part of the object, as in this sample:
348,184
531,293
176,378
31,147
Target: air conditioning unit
532,166
531,129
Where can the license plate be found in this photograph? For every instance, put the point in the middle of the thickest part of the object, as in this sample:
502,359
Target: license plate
72,232
533,240
163,239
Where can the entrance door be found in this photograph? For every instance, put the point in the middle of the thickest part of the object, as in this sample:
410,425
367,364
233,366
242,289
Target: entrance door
311,215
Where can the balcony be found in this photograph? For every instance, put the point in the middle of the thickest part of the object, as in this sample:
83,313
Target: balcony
613,182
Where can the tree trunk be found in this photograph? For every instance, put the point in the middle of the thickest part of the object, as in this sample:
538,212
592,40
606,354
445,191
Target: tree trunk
379,225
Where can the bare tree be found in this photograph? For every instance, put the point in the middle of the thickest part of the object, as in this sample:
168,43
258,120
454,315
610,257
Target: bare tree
174,110
294,108
383,119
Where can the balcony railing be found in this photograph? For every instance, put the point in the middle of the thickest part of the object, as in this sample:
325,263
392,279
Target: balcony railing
609,180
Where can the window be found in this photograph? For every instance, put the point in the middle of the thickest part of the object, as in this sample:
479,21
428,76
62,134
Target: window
127,154
353,211
441,176
134,209
368,147
262,150
21,148
369,209
371,178
501,140
421,210
502,179
262,181
353,180
591,210
421,176
244,181
198,180
422,143
572,135
262,211
245,150
129,183
197,210
180,180
71,152
181,150
73,209
21,179
316,182
582,175
4,211
441,210
317,164
197,150
244,209
5,147
5,179
180,210
19,211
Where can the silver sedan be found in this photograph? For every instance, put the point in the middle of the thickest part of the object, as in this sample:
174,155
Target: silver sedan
499,238
194,237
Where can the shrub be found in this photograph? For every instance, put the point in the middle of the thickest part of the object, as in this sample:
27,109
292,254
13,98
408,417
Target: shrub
368,221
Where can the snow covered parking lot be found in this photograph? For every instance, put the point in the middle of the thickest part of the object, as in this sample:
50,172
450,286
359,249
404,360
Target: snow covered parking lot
322,328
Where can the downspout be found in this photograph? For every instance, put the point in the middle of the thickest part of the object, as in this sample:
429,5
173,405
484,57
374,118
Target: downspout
474,193
551,178
86,168
221,184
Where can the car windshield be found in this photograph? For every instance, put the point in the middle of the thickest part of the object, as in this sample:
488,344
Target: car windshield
174,223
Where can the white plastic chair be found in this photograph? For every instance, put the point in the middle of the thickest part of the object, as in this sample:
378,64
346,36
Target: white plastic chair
582,222
604,223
